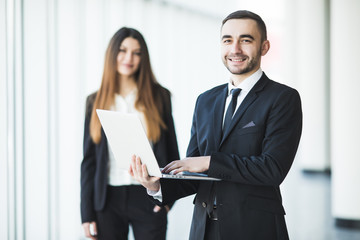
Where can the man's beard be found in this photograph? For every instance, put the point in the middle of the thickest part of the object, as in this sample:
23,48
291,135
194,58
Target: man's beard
253,62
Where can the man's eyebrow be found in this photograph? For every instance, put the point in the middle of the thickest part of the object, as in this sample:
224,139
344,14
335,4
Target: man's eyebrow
226,36
247,36
241,36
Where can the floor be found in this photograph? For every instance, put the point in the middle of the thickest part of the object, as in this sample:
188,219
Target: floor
307,203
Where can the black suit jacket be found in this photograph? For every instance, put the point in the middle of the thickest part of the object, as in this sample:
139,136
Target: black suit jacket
94,166
252,158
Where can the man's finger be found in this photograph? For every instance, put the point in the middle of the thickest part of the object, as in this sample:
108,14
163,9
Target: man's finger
130,171
177,170
132,165
133,168
145,173
169,167
138,164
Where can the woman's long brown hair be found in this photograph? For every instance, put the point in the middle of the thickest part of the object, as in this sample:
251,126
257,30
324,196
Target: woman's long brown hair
146,100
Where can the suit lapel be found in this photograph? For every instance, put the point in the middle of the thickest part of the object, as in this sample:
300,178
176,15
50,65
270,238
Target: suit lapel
219,106
249,99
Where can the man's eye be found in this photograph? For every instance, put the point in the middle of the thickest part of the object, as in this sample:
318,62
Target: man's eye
226,41
246,41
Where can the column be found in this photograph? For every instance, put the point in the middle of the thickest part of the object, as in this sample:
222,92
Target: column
4,209
312,47
345,112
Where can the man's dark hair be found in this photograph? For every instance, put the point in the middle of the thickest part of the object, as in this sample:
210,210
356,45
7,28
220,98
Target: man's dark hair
249,15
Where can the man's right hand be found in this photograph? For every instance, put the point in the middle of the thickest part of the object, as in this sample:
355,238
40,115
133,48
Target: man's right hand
140,173
87,231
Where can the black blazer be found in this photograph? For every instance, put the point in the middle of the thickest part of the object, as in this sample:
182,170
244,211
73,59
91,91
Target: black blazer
252,159
94,166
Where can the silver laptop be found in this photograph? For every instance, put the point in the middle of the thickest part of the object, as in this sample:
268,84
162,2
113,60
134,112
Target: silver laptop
126,137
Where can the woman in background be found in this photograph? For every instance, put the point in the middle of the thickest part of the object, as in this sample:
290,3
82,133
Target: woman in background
110,199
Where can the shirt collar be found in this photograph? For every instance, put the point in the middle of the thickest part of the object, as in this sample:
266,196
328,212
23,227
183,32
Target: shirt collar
131,94
248,83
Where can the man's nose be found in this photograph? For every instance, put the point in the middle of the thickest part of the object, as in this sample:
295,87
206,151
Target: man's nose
236,47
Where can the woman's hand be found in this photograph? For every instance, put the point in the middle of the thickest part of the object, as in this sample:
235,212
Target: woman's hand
139,171
190,164
88,234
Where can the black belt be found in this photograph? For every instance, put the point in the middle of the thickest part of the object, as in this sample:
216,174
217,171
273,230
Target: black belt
213,214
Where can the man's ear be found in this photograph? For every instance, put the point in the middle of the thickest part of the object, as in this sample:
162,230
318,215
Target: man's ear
265,47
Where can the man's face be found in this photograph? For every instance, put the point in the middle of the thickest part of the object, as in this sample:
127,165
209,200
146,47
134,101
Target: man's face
241,46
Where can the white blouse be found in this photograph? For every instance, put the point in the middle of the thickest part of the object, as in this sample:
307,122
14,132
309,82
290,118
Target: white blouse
117,176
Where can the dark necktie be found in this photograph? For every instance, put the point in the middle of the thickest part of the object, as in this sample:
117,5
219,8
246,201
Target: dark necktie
231,108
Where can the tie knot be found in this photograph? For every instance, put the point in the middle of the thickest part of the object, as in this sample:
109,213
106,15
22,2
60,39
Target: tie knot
235,92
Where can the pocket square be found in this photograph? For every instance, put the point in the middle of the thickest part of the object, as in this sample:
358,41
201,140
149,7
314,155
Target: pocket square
250,124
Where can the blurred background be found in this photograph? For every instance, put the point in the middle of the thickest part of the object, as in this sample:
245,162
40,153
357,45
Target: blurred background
51,58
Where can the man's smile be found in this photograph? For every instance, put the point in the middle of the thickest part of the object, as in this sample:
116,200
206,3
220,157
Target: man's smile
237,59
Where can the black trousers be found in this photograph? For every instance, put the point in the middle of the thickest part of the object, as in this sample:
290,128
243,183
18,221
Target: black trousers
129,205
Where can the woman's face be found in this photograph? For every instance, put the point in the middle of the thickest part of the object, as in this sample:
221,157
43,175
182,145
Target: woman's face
129,56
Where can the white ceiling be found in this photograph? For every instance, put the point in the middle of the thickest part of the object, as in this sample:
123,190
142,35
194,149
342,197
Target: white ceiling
221,8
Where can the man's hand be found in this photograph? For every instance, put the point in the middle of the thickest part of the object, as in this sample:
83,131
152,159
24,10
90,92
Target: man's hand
90,234
140,173
191,164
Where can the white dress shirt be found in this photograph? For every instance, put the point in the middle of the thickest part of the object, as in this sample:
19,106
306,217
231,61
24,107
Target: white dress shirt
245,87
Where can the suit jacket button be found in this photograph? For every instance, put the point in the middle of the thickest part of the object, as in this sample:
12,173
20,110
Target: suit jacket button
204,204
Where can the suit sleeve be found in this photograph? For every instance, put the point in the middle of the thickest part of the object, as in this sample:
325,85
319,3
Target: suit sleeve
193,150
174,189
282,131
88,166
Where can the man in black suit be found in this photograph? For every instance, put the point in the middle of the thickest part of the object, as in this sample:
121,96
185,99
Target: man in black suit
246,133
